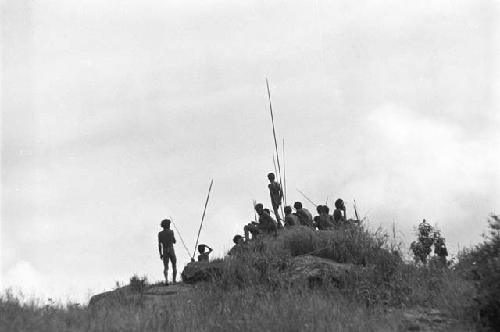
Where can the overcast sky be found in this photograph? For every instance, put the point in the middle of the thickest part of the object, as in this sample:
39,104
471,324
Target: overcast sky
116,114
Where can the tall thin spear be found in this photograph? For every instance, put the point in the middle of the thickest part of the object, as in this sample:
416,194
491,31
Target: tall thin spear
356,211
180,237
274,164
254,202
272,121
284,172
310,201
274,137
203,216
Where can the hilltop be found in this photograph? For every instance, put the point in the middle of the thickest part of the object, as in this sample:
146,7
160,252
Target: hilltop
351,279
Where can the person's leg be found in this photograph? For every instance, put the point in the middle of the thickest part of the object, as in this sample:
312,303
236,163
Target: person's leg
165,267
277,212
173,259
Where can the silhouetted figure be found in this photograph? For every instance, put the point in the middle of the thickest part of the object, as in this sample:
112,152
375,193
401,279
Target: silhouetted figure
276,194
440,248
239,242
339,214
290,218
166,240
323,221
266,224
204,255
305,217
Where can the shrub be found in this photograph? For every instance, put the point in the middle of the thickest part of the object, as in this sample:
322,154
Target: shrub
482,265
137,284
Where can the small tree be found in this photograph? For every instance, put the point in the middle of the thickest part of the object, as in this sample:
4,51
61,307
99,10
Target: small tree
428,236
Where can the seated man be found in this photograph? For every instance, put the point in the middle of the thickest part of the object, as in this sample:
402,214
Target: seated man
290,218
323,221
239,243
204,255
305,217
339,217
266,224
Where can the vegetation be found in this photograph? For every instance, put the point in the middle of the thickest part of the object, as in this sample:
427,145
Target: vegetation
481,264
253,293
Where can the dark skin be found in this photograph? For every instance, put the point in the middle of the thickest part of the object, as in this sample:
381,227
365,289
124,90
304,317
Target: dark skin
160,247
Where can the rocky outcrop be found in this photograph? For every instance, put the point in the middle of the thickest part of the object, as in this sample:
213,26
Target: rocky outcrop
150,294
317,271
201,271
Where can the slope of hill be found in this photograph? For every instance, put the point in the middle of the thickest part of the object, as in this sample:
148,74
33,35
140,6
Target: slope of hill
301,280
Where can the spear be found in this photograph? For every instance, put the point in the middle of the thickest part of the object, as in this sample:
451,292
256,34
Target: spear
274,137
272,122
203,216
180,237
254,213
356,211
306,197
284,172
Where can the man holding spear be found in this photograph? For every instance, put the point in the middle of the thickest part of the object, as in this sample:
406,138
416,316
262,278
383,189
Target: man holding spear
276,194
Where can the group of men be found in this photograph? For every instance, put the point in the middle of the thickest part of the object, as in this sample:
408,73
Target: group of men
264,225
267,225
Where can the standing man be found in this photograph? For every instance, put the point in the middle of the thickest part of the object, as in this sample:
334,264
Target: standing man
166,240
276,195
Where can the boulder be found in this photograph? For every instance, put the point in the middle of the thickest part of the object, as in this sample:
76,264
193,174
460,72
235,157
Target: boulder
201,271
317,271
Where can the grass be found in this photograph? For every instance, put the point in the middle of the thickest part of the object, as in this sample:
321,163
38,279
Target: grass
253,294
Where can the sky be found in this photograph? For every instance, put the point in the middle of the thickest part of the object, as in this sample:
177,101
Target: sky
117,114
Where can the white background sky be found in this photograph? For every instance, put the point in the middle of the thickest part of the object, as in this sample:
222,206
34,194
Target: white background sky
116,114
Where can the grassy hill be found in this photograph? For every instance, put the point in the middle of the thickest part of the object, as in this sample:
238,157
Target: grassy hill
271,284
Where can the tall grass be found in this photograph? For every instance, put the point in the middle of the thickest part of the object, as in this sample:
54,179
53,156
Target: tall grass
252,293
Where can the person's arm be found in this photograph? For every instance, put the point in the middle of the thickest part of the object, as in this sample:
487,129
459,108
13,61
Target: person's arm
159,247
209,249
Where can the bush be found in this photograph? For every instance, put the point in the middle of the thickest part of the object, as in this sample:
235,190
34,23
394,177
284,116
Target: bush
379,274
482,265
137,284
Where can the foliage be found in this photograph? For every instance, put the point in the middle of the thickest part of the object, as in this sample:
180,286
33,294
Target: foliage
428,236
138,284
481,264
16,314
253,294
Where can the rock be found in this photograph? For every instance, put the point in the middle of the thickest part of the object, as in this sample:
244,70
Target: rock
427,319
201,271
317,271
127,295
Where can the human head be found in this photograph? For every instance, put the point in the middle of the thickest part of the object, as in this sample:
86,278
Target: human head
326,209
267,211
339,204
237,239
270,176
201,248
297,205
165,223
259,208
319,209
287,210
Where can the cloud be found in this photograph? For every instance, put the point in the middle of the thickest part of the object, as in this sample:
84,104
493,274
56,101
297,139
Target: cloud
23,276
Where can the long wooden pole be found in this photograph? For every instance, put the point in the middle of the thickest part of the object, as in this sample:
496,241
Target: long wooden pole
203,217
274,137
180,237
284,172
310,201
